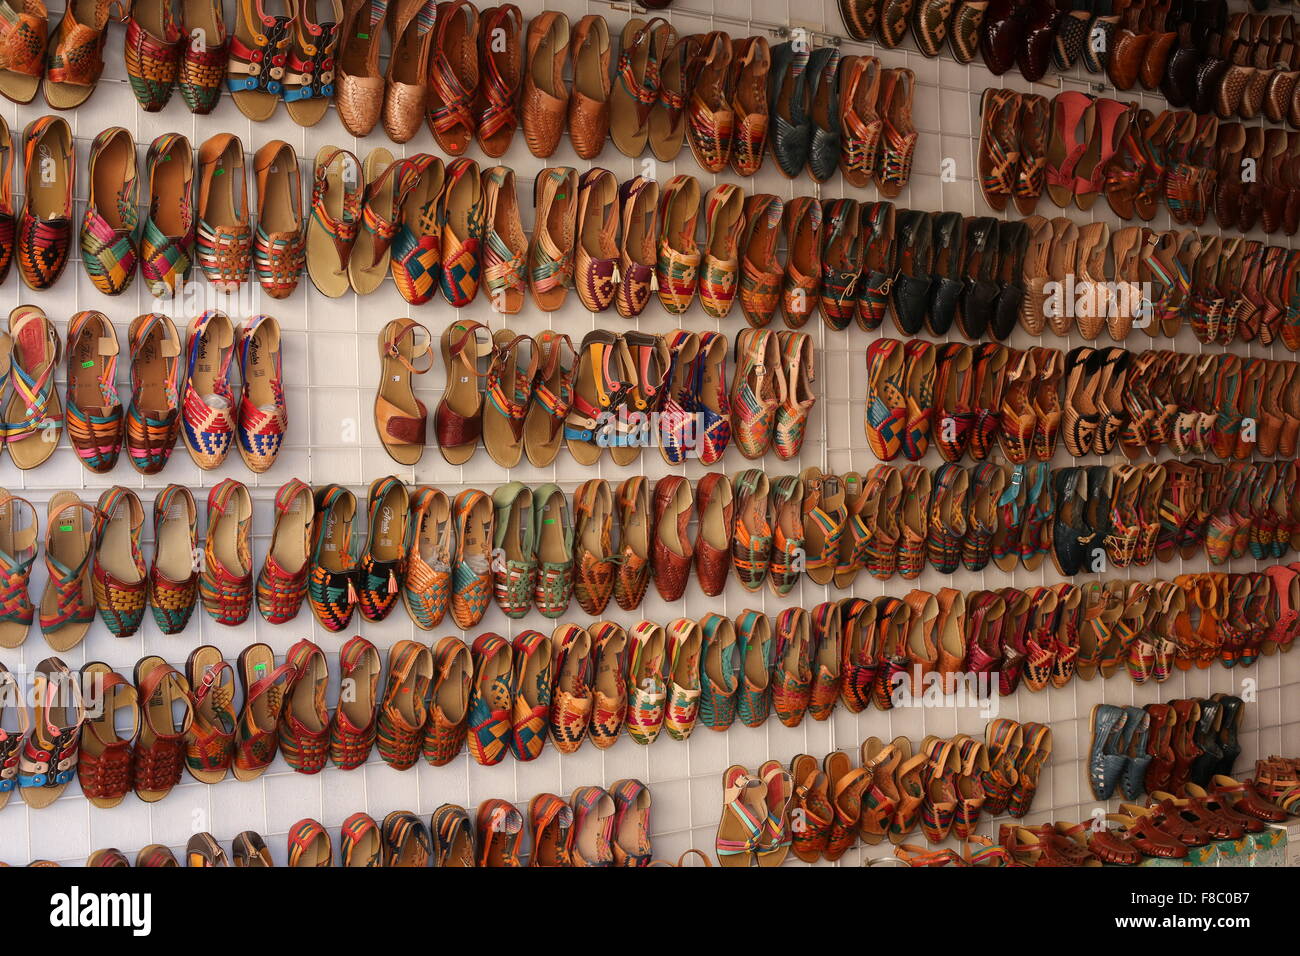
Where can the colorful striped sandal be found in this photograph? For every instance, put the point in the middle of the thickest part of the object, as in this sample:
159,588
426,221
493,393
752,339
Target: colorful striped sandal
751,538
94,413
226,581
531,678
677,265
573,699
33,416
167,241
203,65
757,657
210,740
426,586
108,245
310,64
460,220
646,682
207,401
471,575
68,603
173,577
44,230
416,252
758,391
491,699
383,558
683,677
223,240
154,41
263,417
609,683
633,576
785,566
119,577
279,249
718,672
153,414
282,581
17,554
331,586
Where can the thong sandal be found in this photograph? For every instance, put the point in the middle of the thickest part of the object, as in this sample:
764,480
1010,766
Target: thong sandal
369,261
33,419
400,417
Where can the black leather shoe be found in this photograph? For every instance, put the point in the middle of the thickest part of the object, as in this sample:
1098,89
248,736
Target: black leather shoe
1001,35
1207,738
910,296
1071,33
1069,529
823,82
1229,726
1013,243
945,283
1034,55
979,267
1101,31
791,126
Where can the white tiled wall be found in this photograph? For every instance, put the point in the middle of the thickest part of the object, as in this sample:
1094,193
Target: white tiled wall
332,439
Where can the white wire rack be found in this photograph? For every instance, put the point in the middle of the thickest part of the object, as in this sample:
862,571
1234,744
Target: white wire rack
331,369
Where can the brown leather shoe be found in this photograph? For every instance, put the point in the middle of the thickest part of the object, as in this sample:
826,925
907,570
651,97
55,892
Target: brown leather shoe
589,104
501,69
672,548
713,540
407,85
545,98
360,88
748,86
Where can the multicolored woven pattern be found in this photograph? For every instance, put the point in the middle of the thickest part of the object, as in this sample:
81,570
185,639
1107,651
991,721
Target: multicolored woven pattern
471,576
208,420
16,569
227,593
281,591
490,703
165,259
647,684
333,593
151,432
153,62
108,253
172,602
459,272
96,434
121,602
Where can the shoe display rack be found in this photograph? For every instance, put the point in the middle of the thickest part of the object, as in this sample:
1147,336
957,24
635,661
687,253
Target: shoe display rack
331,368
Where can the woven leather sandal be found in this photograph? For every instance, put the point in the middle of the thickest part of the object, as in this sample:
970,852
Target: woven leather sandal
545,95
360,87
223,245
44,229
210,740
453,75
449,700
501,71
166,716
